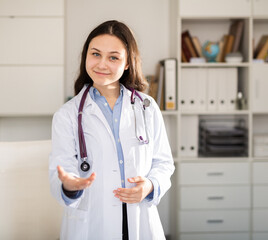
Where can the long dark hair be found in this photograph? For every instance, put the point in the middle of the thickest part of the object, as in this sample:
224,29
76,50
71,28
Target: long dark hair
132,77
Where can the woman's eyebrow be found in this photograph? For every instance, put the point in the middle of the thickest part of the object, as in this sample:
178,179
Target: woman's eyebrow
109,52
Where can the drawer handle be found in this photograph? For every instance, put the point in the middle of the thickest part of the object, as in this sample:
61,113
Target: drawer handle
215,173
215,221
215,198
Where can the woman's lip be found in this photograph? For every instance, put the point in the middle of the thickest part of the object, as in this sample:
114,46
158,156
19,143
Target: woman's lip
101,73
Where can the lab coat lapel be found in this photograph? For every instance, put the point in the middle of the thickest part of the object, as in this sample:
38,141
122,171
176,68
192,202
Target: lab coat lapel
92,108
126,111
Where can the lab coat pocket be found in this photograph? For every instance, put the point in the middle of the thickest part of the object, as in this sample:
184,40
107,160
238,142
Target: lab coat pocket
140,157
75,225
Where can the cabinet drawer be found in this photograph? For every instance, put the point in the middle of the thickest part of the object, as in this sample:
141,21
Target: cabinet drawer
214,173
260,170
212,8
215,197
260,9
260,220
216,236
259,236
260,197
32,8
259,86
44,85
35,46
214,221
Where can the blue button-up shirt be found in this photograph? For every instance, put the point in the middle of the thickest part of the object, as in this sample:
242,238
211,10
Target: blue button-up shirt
113,118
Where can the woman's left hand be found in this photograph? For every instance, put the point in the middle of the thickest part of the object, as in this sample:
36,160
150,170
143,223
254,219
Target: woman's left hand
136,194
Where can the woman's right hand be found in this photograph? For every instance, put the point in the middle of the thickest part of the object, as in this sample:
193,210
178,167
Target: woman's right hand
71,183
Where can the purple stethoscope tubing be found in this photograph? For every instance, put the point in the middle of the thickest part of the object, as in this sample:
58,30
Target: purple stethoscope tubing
82,144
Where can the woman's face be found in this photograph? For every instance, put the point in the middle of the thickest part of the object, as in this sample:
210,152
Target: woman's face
106,60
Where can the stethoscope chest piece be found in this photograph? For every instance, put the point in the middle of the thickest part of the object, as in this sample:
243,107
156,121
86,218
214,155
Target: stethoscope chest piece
85,166
146,102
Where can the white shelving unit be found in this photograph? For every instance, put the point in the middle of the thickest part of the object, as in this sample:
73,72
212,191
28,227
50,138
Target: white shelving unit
32,65
221,198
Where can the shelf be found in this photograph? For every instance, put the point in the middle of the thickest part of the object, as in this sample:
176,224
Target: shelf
189,65
213,159
219,18
263,17
167,113
260,113
260,159
242,112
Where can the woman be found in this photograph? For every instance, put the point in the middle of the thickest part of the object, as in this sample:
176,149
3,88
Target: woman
112,195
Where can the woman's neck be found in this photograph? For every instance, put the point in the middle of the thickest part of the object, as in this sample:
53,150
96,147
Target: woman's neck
110,92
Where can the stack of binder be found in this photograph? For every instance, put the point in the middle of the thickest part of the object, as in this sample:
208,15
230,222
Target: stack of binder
221,140
208,89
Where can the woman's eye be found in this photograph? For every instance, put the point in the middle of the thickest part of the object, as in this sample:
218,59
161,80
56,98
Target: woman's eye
113,58
96,54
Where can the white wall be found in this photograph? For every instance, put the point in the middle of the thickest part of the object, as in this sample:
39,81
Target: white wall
149,20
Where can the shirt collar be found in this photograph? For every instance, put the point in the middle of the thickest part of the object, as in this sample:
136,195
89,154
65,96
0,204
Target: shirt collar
95,94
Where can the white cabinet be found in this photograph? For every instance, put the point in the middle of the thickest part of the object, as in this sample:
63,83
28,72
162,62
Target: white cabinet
213,173
31,41
214,198
215,190
260,220
260,196
43,86
259,88
260,236
259,8
31,8
218,197
212,8
214,221
260,170
31,65
215,236
260,200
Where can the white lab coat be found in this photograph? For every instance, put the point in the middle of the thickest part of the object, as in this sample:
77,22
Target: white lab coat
97,214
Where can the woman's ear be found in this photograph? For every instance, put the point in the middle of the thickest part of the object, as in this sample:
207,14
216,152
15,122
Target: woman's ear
126,67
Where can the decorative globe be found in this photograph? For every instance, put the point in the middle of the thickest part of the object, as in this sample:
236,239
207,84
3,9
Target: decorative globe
210,51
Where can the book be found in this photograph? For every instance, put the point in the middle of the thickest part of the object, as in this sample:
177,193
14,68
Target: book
236,29
197,46
190,46
183,58
219,56
153,85
229,45
186,35
185,50
225,39
160,88
260,45
263,51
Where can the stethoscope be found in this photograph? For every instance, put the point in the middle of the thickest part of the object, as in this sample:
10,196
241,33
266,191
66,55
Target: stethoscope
82,145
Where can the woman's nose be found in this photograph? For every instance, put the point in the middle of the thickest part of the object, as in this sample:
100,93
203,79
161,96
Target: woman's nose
102,63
